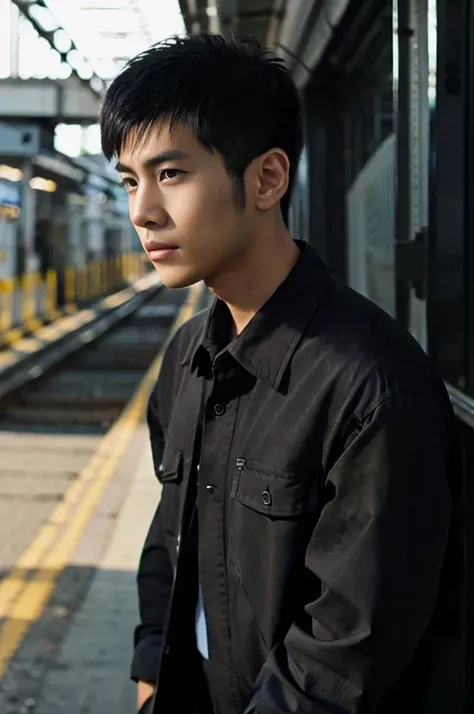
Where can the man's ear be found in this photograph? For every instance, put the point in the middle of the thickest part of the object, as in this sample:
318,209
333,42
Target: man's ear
272,177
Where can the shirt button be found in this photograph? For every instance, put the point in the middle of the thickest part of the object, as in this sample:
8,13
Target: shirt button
266,498
219,409
211,489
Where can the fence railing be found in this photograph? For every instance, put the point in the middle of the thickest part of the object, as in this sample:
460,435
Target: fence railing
34,299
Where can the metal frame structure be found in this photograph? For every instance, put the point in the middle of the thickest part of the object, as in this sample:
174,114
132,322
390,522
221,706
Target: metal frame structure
413,134
469,255
95,83
139,16
260,18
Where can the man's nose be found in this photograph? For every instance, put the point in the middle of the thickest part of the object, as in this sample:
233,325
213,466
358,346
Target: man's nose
146,210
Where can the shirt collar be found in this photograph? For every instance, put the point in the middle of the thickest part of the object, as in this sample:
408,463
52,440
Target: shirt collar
265,347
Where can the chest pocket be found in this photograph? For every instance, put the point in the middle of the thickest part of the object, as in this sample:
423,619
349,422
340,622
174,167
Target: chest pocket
170,475
272,515
272,493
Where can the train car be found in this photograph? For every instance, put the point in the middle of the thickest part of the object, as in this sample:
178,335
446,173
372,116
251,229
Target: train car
385,185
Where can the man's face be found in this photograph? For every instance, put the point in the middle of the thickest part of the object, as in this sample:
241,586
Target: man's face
182,204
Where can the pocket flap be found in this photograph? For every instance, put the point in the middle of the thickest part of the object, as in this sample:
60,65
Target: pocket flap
171,469
274,494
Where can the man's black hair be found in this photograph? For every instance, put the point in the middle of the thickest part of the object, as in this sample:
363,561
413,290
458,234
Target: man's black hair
237,98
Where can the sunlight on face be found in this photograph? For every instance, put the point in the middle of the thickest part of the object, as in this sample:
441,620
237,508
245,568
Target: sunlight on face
182,204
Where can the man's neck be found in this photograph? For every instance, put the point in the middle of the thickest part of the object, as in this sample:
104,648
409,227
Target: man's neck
251,283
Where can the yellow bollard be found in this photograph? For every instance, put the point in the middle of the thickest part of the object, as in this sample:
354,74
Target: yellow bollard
103,276
120,269
91,272
8,333
70,289
82,283
110,275
85,282
96,278
6,305
114,275
30,283
26,298
51,304
90,280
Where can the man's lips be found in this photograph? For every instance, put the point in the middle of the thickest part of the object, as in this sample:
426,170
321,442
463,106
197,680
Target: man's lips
160,251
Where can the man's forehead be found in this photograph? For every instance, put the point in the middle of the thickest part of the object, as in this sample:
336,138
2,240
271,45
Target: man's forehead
141,144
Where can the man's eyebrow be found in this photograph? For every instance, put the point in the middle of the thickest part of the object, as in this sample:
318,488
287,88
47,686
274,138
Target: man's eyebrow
168,155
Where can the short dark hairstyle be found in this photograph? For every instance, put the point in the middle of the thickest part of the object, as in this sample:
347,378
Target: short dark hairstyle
236,97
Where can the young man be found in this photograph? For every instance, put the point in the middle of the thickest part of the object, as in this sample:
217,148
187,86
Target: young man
307,552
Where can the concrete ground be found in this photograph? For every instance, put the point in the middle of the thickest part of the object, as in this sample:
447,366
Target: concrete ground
76,657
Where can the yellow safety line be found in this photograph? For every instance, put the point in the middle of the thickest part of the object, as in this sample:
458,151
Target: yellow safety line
28,344
8,358
22,601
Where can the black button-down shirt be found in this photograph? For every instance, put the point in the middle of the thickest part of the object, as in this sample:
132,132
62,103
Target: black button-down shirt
329,507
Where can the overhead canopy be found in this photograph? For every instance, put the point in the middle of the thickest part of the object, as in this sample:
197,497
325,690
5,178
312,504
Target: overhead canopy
96,37
252,17
299,30
109,32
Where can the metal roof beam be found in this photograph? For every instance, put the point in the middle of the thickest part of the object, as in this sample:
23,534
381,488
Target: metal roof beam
24,7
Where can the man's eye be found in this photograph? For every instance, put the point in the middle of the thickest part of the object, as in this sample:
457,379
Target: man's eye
129,183
169,174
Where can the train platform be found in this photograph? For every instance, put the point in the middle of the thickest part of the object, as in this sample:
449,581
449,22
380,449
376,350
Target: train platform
77,493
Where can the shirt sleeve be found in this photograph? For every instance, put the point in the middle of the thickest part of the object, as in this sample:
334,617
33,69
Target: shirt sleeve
377,551
155,577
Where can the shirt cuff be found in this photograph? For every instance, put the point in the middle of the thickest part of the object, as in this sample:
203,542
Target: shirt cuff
146,659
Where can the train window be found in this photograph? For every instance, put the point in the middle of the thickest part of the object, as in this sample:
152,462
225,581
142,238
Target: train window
448,279
470,211
298,213
370,155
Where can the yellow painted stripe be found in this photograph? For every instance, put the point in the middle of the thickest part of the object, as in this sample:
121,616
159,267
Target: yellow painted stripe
7,358
27,344
116,299
22,601
49,332
11,588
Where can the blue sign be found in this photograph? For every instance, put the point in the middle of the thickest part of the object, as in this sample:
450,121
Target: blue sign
9,194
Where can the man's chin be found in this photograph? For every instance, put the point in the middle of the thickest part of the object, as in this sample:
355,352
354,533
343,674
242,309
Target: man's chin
177,280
